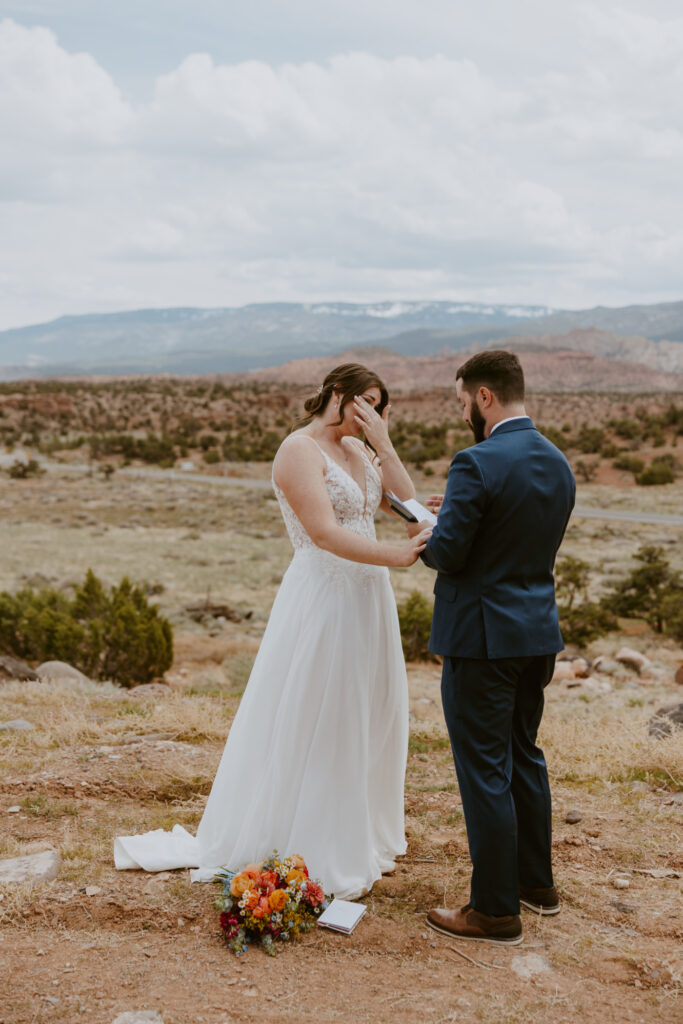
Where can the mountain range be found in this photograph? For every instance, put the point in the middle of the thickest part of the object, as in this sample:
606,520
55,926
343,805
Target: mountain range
240,339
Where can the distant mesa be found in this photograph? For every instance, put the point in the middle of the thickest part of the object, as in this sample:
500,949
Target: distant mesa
261,336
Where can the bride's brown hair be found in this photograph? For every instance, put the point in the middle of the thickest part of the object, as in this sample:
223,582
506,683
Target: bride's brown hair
347,380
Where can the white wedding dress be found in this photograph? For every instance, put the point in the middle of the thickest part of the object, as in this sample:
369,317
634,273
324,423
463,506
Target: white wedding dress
315,760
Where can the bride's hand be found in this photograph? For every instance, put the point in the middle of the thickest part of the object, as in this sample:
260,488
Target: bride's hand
409,552
374,426
434,503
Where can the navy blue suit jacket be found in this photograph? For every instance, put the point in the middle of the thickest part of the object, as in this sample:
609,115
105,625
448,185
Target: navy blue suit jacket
507,504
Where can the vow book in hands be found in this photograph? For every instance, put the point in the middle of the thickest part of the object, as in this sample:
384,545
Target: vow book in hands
342,916
410,509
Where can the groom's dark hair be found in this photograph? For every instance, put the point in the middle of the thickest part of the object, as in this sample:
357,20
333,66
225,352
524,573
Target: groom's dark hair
497,370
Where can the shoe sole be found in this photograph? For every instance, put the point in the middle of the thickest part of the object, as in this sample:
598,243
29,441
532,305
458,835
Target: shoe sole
540,911
476,938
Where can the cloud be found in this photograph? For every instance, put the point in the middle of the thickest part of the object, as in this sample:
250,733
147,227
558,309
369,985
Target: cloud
359,176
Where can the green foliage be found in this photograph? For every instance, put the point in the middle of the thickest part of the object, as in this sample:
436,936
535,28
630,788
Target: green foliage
631,463
151,449
586,469
627,429
20,470
590,440
652,591
555,436
581,620
419,442
658,472
415,621
113,635
586,622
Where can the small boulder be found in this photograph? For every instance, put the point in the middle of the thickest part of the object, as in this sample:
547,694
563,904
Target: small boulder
665,720
139,1017
563,672
573,817
606,666
59,671
580,668
36,867
17,725
632,659
13,669
529,966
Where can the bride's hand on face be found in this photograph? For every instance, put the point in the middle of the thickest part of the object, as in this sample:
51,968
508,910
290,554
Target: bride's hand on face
374,426
409,552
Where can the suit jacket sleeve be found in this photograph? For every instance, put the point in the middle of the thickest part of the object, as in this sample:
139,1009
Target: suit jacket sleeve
463,505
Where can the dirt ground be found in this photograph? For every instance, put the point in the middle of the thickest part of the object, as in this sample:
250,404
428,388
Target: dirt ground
102,761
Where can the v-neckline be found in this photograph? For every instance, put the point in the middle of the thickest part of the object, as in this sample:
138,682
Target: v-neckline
363,493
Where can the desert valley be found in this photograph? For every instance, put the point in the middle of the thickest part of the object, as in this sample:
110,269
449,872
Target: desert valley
165,480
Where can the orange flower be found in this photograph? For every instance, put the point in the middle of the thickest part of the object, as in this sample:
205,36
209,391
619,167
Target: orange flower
278,899
251,899
262,908
239,884
267,881
299,863
295,875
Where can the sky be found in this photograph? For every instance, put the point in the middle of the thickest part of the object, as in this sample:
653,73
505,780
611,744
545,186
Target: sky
163,153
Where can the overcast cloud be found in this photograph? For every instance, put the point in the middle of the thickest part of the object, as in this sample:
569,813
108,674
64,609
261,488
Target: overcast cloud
495,158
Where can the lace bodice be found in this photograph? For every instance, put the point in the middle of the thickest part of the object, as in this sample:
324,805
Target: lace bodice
352,509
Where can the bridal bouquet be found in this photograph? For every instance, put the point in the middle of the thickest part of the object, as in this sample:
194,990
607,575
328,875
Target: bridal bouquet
266,902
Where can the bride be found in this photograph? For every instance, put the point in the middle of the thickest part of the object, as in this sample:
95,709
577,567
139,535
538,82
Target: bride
315,760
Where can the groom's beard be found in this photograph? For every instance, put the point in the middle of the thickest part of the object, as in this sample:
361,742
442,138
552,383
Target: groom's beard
477,423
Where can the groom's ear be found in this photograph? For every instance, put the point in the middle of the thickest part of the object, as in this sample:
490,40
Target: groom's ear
485,396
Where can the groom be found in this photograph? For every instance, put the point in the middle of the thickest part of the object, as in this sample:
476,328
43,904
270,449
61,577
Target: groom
507,503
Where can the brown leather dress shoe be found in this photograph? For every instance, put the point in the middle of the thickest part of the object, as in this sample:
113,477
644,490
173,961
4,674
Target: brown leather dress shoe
468,923
541,901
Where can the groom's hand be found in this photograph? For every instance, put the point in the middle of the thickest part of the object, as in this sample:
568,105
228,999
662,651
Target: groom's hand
434,503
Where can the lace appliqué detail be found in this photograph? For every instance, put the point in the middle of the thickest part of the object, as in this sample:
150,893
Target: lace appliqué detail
352,509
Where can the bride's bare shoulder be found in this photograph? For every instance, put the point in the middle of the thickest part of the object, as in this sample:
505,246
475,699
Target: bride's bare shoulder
297,451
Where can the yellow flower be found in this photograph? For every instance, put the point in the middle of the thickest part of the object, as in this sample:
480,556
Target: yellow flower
277,899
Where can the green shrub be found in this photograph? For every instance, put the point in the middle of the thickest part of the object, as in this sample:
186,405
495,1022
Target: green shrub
415,621
651,591
590,440
631,463
581,620
113,635
20,470
556,437
656,473
585,622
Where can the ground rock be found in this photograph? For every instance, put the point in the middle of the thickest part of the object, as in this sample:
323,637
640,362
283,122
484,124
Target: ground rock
139,1017
17,725
53,671
655,674
580,668
665,720
150,690
573,817
36,867
607,666
530,965
12,668
633,659
563,672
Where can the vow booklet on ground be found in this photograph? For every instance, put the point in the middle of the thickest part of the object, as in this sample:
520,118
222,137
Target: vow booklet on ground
342,916
410,509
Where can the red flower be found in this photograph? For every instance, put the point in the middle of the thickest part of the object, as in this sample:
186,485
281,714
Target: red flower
313,893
